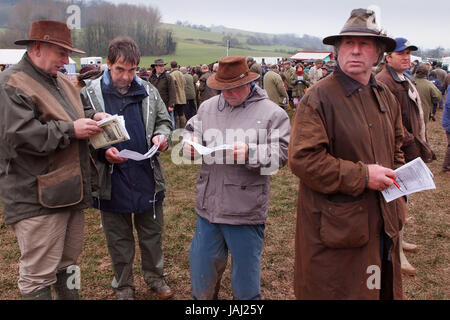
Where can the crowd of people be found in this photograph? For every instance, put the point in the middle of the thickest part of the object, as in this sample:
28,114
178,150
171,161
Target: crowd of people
356,120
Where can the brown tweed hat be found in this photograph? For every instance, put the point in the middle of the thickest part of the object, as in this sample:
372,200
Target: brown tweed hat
50,31
362,23
233,72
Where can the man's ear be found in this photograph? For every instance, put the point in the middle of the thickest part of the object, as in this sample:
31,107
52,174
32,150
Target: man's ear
108,63
37,45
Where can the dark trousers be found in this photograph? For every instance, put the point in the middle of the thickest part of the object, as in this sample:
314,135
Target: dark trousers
179,115
118,228
446,164
190,109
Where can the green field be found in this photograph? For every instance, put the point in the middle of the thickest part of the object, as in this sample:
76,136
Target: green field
192,51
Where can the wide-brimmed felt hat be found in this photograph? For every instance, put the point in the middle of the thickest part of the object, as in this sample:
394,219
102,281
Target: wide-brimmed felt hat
50,31
362,23
233,72
158,62
403,44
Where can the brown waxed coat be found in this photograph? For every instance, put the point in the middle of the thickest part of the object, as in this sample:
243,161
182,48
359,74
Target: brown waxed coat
166,88
205,92
414,142
339,127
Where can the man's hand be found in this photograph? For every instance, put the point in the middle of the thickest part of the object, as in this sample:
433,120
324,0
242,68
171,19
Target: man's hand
189,151
380,178
164,144
171,108
111,156
99,116
240,152
84,128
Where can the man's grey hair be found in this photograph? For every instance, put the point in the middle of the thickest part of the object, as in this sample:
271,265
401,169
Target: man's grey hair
381,48
250,59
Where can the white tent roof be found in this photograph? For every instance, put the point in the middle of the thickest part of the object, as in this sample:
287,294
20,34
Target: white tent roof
13,56
310,55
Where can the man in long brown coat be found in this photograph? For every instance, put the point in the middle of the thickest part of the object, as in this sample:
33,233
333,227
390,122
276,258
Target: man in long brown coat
415,143
345,143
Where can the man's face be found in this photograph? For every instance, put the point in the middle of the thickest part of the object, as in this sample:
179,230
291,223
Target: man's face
160,69
52,57
399,61
237,95
122,73
357,55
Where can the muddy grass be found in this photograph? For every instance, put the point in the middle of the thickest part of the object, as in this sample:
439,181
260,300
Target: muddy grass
428,226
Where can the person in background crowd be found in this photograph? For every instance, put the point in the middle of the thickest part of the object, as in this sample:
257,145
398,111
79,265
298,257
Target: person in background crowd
315,73
301,86
290,78
180,102
345,145
87,72
256,68
46,177
274,86
205,92
429,94
165,85
415,144
232,198
191,105
446,126
132,192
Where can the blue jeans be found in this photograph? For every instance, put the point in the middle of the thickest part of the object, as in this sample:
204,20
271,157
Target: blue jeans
208,259
172,118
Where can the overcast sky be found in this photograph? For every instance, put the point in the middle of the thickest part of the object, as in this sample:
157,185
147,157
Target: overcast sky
425,23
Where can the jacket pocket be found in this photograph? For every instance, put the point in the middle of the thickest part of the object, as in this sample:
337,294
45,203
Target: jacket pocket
344,225
242,197
201,186
61,188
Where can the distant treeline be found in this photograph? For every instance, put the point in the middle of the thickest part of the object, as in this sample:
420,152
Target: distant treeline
100,23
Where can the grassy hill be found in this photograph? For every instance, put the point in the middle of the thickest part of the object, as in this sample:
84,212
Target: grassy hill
195,47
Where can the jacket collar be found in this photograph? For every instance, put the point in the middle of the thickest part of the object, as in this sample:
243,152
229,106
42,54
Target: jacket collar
349,84
397,78
136,88
26,61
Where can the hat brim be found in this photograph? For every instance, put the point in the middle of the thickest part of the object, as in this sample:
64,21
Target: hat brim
26,42
412,48
389,42
213,83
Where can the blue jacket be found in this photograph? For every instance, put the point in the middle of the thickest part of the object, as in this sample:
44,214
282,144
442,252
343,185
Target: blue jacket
446,115
131,186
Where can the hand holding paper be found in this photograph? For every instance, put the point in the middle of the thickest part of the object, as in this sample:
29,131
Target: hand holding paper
413,177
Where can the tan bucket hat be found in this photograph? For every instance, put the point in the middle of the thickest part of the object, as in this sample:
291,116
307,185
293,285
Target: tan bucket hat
50,31
362,23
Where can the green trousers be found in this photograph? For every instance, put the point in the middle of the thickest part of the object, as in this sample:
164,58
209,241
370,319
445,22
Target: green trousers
118,228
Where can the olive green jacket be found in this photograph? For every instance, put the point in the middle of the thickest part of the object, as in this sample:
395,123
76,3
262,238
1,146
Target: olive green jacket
44,169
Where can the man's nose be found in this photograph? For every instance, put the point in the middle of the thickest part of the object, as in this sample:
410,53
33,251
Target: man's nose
356,48
66,59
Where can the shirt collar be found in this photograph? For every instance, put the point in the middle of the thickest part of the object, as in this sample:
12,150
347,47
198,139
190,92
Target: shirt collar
349,84
397,78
